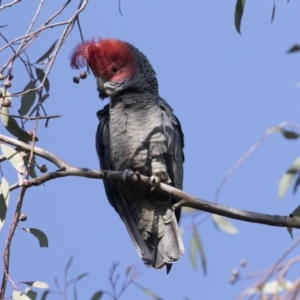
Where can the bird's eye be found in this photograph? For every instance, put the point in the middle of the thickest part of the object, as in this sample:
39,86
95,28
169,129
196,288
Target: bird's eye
114,69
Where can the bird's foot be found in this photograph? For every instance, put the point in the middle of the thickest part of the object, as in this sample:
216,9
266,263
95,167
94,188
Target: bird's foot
138,175
127,174
155,182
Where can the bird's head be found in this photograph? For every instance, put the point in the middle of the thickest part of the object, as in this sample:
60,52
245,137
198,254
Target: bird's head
117,66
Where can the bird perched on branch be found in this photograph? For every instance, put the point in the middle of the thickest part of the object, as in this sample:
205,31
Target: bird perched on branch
137,131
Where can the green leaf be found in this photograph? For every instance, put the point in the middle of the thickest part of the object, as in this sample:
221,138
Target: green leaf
31,294
10,123
40,75
273,12
45,294
14,157
151,294
4,200
293,49
16,295
79,277
129,268
47,53
69,263
196,246
290,231
297,183
27,99
287,178
97,295
189,210
238,14
224,224
13,128
36,284
40,235
286,133
295,213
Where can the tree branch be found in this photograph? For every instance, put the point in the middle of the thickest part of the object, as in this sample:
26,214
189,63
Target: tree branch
184,198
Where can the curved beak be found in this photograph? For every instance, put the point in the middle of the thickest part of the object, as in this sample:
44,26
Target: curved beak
100,84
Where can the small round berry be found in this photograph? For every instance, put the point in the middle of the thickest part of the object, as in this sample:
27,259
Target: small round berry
6,103
22,217
232,279
76,79
7,84
83,75
10,76
235,272
2,76
243,263
43,168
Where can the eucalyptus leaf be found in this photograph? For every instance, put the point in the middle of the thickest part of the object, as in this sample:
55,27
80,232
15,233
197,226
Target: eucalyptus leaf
224,224
40,235
4,200
13,127
189,210
31,294
295,213
36,284
273,12
196,246
16,295
97,296
293,49
286,133
79,277
41,75
287,178
129,268
238,14
47,53
67,268
27,99
13,157
151,294
45,294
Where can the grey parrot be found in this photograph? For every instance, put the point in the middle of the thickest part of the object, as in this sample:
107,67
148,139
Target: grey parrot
138,131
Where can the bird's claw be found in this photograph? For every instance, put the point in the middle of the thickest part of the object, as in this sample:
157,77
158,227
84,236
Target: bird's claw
138,175
154,181
127,174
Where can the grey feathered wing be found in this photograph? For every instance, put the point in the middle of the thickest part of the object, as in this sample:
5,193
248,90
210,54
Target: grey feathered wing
155,250
112,189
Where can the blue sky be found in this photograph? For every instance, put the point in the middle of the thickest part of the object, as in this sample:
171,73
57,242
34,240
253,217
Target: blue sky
227,90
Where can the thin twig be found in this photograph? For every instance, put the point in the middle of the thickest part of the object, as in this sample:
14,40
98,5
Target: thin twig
10,4
6,252
120,10
30,118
